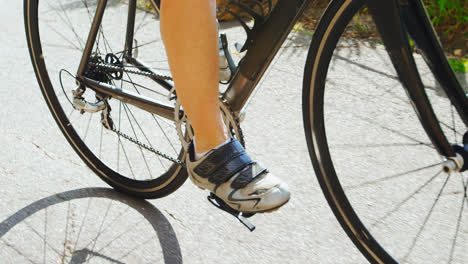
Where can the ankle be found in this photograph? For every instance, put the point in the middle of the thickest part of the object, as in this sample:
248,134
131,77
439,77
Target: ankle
207,143
200,151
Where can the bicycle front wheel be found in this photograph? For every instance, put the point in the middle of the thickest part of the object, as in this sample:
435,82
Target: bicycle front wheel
56,33
377,167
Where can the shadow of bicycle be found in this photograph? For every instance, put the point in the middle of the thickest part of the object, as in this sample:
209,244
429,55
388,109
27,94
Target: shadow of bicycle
91,225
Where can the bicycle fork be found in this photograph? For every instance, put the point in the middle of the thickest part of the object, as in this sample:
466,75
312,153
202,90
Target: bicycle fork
389,18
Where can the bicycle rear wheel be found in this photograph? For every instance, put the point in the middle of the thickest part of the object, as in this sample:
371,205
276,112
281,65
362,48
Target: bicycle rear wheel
379,171
56,34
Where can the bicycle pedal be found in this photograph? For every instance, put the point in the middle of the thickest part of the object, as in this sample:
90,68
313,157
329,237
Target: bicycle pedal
242,217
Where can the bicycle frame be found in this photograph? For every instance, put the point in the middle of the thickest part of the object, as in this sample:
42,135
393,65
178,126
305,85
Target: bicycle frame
394,19
251,68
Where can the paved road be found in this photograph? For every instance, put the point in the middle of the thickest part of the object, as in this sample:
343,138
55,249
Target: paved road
55,210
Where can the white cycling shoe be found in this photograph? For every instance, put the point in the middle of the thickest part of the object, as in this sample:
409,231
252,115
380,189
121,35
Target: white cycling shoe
240,182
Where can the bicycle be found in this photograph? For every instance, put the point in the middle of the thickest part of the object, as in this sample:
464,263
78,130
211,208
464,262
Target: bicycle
104,74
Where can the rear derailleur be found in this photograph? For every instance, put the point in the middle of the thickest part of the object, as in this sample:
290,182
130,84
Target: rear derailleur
102,101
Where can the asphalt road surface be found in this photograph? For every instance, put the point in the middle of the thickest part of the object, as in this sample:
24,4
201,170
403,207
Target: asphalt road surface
55,210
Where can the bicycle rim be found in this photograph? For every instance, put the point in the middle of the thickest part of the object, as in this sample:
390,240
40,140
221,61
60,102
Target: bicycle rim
378,169
57,31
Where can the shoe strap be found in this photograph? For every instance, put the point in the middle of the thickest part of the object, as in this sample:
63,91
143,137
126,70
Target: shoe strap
223,163
247,175
218,157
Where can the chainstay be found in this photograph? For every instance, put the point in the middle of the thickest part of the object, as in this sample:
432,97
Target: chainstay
132,71
151,149
125,136
162,77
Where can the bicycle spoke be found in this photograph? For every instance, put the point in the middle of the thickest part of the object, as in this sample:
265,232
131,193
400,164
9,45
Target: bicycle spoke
62,46
87,127
405,200
80,41
103,231
64,28
354,146
383,168
100,142
465,187
153,115
126,157
76,120
455,133
119,216
45,236
118,136
140,25
426,219
393,131
164,133
65,38
391,177
85,3
144,87
65,240
454,128
120,235
138,46
82,224
67,21
454,241
99,230
136,137
17,251
126,254
72,111
90,16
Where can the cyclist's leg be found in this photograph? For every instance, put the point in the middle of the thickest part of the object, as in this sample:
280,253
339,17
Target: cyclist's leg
190,34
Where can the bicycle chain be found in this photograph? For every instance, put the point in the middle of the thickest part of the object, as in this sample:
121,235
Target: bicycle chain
151,149
137,72
142,145
111,67
159,153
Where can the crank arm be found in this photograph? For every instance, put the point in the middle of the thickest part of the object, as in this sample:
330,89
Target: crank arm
138,100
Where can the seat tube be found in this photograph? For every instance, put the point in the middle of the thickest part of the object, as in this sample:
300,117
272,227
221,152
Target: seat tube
91,37
130,29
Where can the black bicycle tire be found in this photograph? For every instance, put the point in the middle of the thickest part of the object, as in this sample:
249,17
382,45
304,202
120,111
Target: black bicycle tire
326,36
324,156
148,189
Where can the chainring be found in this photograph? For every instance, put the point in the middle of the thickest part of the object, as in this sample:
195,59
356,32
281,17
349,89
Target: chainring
185,131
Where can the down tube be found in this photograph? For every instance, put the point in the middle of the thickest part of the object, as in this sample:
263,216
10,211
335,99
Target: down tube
267,42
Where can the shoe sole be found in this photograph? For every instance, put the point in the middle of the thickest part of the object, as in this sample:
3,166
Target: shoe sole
267,211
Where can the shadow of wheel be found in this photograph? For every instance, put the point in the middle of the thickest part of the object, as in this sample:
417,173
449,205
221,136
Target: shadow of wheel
146,212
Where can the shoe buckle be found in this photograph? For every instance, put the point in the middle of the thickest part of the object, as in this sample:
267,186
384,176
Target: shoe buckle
242,217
